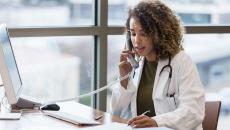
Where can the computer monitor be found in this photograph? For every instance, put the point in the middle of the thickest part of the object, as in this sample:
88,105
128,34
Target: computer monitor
10,75
8,68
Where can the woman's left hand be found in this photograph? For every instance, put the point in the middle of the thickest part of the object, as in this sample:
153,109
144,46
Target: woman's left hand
142,121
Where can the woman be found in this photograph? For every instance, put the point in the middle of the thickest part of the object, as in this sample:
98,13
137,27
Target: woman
166,84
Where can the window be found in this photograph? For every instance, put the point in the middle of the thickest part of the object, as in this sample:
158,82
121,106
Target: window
115,45
189,18
55,68
190,11
46,12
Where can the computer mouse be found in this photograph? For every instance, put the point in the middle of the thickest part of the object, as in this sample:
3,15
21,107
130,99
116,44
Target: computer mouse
51,107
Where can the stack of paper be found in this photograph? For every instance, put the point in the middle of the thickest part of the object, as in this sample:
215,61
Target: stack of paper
121,126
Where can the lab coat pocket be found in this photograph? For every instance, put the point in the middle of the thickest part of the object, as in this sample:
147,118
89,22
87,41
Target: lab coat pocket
171,101
161,87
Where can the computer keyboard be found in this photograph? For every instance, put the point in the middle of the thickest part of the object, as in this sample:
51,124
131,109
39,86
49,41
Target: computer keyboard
70,118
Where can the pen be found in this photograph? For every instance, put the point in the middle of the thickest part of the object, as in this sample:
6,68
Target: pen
145,112
99,117
141,114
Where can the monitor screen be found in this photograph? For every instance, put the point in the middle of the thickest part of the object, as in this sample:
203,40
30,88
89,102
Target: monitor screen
8,67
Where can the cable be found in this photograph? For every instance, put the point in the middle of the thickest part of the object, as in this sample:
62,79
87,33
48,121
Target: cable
4,103
90,93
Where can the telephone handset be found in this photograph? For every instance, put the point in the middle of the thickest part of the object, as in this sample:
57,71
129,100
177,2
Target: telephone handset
130,58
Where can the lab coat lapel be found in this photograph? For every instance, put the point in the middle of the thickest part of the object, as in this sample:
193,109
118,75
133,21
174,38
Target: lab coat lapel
136,80
160,79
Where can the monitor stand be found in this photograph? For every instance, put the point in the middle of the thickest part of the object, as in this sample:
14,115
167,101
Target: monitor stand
10,116
6,111
12,112
26,102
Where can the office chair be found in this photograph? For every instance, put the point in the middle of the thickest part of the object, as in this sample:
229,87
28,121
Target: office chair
212,110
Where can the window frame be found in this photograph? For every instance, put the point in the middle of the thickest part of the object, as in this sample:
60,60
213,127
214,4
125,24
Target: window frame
100,31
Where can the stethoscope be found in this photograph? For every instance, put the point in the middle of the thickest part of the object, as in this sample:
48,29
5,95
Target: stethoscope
169,77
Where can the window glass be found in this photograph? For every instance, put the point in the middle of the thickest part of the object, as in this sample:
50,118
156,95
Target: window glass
212,57
190,11
210,53
115,45
46,12
117,11
55,68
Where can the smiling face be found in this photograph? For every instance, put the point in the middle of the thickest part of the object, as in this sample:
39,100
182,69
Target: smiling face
142,43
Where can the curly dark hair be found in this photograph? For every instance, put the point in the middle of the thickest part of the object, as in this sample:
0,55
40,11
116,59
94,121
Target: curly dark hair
161,24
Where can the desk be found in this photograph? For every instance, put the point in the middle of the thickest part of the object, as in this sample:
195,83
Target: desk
37,120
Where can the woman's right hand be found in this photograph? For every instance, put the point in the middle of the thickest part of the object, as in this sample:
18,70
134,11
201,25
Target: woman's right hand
124,66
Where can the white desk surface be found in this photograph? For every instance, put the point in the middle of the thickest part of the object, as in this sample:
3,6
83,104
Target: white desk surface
37,121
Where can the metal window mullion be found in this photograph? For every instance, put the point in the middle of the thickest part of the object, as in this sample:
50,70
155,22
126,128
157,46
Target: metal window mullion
102,53
94,67
95,30
53,31
202,29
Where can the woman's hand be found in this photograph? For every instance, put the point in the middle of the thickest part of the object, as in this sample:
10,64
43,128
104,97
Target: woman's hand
142,121
124,66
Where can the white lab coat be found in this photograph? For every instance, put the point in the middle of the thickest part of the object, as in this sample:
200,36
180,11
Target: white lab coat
184,111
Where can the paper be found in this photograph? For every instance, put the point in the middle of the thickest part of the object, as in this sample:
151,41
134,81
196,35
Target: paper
10,116
45,128
111,126
121,126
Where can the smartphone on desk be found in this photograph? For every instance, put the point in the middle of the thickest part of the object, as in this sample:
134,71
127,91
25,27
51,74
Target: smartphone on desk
129,45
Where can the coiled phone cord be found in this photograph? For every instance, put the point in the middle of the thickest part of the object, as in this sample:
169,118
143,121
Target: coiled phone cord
90,93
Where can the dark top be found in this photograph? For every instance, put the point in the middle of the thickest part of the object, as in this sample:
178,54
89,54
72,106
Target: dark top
145,89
